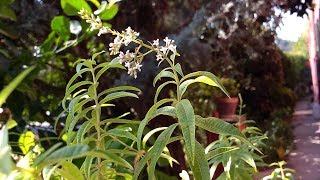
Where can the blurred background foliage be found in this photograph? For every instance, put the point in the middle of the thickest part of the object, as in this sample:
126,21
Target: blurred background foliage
233,39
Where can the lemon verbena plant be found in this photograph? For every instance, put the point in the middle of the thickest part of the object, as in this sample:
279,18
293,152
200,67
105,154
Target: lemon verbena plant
86,104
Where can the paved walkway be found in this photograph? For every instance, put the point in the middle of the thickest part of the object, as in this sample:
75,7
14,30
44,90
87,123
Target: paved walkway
305,157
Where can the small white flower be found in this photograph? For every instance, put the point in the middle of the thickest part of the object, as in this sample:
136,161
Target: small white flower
168,41
155,43
159,57
130,35
103,30
172,48
163,49
128,56
127,65
115,46
184,175
133,69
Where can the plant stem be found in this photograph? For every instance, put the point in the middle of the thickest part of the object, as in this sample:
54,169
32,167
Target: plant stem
97,109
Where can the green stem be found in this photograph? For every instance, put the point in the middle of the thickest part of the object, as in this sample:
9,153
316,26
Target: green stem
97,109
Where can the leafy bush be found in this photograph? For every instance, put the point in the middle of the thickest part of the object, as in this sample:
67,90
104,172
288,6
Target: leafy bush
106,148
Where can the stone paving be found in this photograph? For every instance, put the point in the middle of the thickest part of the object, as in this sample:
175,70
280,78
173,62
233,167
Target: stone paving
305,157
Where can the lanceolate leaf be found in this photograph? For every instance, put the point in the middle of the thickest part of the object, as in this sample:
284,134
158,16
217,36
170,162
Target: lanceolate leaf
121,133
160,88
208,75
149,134
178,68
166,110
200,169
70,171
186,119
155,152
13,84
150,114
113,64
201,79
119,88
218,126
110,157
219,151
163,73
117,95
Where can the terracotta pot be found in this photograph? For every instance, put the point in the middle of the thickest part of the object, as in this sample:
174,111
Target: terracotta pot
227,107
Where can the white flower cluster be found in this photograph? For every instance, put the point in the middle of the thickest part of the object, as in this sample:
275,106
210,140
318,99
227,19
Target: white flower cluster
132,61
128,59
164,50
94,21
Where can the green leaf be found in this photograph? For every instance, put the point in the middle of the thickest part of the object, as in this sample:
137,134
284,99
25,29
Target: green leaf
83,130
69,171
11,123
64,153
178,68
6,2
5,160
7,13
219,151
160,88
149,134
110,157
161,74
201,79
166,110
155,152
13,84
86,166
113,64
186,120
119,88
44,155
26,141
72,7
248,159
200,168
121,133
5,152
209,75
60,25
47,44
109,13
222,127
4,138
117,95
150,115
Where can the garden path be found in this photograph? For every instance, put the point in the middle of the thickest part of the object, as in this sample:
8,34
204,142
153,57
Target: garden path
305,157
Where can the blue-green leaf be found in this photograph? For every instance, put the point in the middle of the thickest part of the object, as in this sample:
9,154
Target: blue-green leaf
161,74
222,127
186,120
155,152
200,168
150,115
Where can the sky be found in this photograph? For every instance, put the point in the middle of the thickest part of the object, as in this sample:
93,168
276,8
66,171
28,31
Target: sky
292,27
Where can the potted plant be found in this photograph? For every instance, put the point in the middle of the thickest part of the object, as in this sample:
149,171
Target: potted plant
227,107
